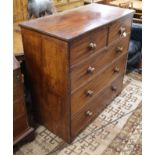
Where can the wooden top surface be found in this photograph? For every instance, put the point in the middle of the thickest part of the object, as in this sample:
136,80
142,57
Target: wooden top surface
17,40
72,23
17,43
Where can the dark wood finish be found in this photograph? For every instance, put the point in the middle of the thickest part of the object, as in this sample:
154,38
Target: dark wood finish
80,97
21,127
95,106
83,47
118,29
48,58
75,22
80,72
61,50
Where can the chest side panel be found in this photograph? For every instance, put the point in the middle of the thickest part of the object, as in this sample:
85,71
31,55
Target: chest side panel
47,65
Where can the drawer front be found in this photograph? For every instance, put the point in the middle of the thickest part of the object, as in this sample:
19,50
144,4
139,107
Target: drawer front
85,46
119,29
18,108
20,125
18,91
18,95
89,112
87,92
88,69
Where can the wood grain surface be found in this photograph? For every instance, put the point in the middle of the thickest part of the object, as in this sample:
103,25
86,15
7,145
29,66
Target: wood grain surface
72,23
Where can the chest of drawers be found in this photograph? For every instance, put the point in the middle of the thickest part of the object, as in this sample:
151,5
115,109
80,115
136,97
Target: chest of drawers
76,61
22,131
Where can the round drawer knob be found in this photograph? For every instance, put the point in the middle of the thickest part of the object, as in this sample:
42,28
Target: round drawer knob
119,49
89,113
90,69
123,32
116,69
92,45
89,93
113,88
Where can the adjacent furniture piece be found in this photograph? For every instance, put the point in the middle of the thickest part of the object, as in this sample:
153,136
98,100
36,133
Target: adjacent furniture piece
62,5
97,1
21,128
76,61
133,4
17,40
135,47
20,10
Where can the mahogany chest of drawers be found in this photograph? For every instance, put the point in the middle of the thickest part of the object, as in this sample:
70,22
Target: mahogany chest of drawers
76,61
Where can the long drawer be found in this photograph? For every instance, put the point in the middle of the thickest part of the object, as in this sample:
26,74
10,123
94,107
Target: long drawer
89,68
88,91
89,112
84,46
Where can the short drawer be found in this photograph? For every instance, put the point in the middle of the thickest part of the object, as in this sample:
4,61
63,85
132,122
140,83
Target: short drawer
91,110
88,69
84,46
88,91
119,29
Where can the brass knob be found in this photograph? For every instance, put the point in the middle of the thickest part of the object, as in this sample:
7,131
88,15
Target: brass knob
116,69
113,88
89,93
90,69
119,49
92,45
123,32
89,113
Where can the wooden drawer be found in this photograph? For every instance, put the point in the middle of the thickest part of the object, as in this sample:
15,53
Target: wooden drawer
89,68
119,29
18,95
20,125
87,92
21,128
89,112
84,46
18,107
